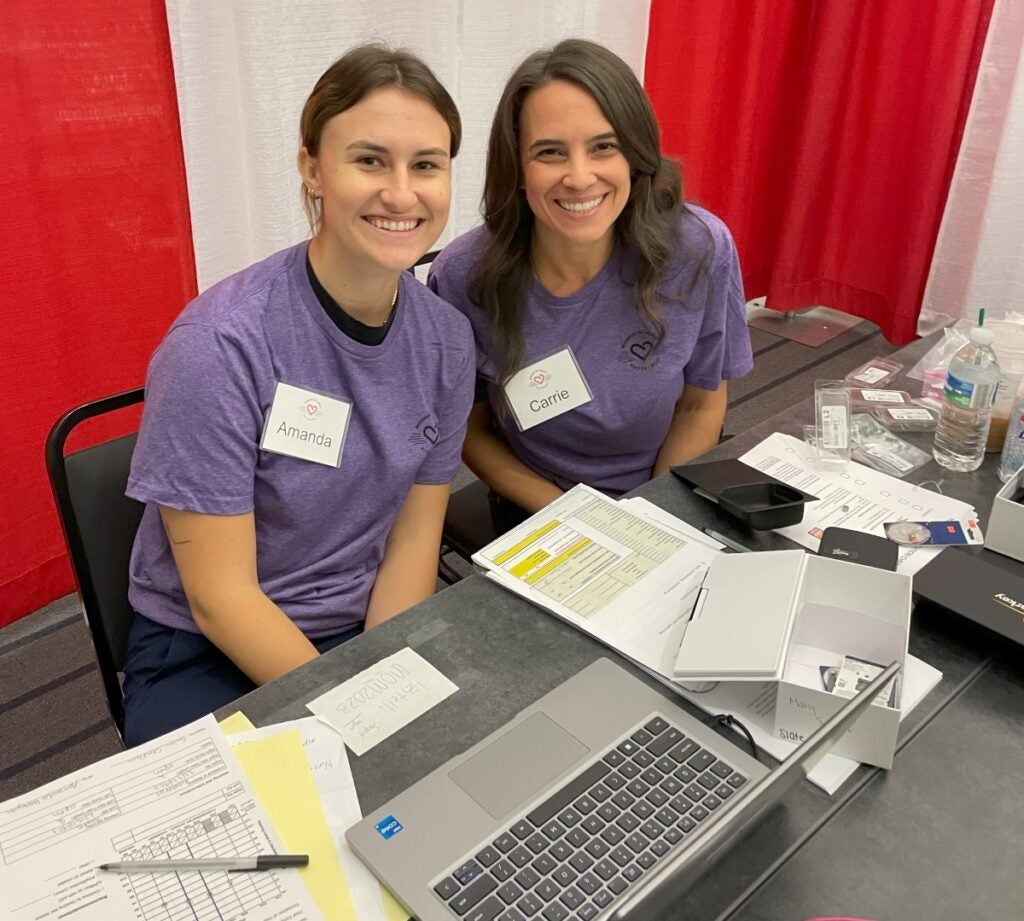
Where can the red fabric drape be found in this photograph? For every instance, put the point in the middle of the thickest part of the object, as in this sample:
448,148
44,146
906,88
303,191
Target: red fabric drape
824,134
95,243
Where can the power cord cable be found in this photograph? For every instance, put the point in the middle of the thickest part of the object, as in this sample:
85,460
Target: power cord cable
727,719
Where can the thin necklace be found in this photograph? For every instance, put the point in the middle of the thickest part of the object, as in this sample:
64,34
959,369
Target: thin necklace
391,314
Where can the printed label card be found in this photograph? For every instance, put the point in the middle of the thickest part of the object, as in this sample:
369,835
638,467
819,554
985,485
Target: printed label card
306,424
546,388
382,699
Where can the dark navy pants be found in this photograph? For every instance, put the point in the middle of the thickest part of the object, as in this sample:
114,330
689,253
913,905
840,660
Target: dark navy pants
173,677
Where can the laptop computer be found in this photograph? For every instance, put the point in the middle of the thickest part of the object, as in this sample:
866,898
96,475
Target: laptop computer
601,800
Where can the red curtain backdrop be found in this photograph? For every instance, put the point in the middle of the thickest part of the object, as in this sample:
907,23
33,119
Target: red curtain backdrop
824,134
95,243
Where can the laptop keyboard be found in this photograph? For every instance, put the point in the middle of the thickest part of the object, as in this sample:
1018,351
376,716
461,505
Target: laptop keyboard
572,856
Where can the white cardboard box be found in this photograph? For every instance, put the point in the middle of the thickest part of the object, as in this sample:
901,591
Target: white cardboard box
779,616
1005,531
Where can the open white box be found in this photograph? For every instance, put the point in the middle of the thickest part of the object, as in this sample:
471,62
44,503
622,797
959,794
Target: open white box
779,616
1005,531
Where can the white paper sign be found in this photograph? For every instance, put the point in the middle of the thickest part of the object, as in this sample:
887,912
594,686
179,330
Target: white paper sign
306,424
546,389
379,701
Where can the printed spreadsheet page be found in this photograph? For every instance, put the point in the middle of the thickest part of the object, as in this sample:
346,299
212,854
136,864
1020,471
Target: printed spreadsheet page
623,578
181,796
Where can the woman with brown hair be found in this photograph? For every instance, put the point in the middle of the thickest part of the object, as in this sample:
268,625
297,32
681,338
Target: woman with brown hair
607,313
304,417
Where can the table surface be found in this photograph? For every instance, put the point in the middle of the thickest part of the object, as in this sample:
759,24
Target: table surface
936,838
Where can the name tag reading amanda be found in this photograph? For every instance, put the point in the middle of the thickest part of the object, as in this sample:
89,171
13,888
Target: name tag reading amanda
546,389
306,424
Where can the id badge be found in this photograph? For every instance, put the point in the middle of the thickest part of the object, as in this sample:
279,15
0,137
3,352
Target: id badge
546,388
306,424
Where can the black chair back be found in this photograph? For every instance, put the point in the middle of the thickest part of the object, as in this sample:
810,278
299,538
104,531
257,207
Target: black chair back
99,524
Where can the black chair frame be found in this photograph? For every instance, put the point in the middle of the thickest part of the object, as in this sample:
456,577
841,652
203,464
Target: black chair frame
100,574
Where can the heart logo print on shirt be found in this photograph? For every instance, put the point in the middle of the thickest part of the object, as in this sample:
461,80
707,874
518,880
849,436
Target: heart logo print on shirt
641,349
426,432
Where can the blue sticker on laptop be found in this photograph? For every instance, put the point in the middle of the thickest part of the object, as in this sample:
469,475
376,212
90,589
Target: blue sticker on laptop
388,827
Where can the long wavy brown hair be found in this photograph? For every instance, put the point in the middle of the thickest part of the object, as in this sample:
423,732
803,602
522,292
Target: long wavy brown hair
648,224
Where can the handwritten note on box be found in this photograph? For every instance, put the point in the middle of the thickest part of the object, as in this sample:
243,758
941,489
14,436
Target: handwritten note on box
379,701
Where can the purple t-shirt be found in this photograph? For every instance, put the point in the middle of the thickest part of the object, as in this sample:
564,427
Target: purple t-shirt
320,530
612,442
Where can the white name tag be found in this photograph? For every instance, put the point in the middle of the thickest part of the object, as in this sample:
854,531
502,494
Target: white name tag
546,389
306,424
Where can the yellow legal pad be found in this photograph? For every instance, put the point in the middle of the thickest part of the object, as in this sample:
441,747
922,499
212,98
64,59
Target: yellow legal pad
279,773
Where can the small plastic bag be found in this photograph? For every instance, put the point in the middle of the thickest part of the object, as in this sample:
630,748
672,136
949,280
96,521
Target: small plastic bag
907,418
864,399
874,445
933,386
935,362
875,373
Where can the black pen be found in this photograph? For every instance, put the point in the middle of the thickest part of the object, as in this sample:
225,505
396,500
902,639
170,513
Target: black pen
231,864
728,542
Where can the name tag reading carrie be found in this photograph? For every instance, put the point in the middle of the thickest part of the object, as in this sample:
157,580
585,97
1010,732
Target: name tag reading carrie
306,424
546,389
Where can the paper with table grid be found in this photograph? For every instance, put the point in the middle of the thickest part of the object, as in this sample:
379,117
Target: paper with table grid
181,796
622,577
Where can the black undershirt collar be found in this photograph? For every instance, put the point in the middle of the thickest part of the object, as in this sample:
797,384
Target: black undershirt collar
349,325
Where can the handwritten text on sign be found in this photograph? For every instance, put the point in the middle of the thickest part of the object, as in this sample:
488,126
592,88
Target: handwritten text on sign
382,699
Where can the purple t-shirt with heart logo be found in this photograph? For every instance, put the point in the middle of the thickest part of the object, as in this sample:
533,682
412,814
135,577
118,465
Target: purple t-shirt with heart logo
612,442
320,530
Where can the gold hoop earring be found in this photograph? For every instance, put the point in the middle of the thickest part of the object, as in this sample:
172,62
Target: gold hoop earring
312,195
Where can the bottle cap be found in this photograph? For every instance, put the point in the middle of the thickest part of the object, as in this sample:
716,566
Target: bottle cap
982,336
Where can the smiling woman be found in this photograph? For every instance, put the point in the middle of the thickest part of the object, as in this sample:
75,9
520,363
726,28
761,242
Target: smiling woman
576,181
588,253
281,394
378,175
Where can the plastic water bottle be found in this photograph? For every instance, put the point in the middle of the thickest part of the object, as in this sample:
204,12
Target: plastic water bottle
970,391
1013,448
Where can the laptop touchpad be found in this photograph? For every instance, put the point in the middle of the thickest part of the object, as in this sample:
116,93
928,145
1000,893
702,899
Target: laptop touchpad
517,764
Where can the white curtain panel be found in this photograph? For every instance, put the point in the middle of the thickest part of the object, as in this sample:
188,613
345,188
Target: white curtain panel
243,69
979,253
